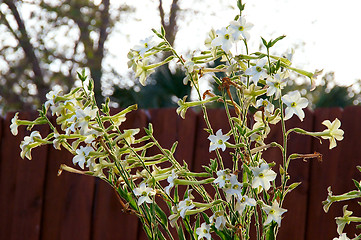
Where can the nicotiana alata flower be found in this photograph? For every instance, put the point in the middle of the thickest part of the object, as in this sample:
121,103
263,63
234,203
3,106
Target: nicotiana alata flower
263,175
224,39
81,154
218,141
14,124
268,107
204,232
241,27
223,177
342,221
244,201
274,213
143,71
218,219
295,103
257,71
333,132
234,188
343,236
186,204
145,45
50,96
275,85
25,145
170,180
144,192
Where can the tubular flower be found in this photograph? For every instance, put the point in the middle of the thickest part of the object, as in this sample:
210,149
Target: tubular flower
81,154
257,71
244,201
218,141
241,27
274,213
263,175
333,131
144,192
203,231
14,125
295,103
144,46
224,39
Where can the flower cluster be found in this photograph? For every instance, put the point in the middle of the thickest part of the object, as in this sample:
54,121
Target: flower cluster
222,201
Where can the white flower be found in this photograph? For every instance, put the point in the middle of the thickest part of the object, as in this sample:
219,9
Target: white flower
224,39
257,71
235,188
275,85
223,177
263,175
241,27
343,236
50,96
203,231
14,125
244,201
218,141
81,155
144,46
274,213
333,131
170,180
186,204
145,193
219,220
268,107
295,103
143,71
25,145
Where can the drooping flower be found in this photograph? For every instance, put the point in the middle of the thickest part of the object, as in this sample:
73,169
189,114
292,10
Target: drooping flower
144,192
145,45
224,39
263,175
143,71
50,96
170,180
218,219
204,232
257,71
295,103
244,201
14,124
25,145
186,204
218,141
333,131
345,219
241,27
81,154
274,213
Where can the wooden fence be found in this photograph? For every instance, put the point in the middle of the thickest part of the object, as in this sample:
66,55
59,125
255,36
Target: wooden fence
36,204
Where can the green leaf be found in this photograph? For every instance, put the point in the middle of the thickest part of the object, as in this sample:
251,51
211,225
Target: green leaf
214,165
205,217
208,169
271,43
174,146
162,31
157,33
163,217
270,235
181,233
357,184
264,42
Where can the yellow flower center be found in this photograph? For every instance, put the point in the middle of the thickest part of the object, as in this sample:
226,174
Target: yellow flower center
264,103
241,28
261,175
226,36
272,211
243,199
294,104
220,142
258,69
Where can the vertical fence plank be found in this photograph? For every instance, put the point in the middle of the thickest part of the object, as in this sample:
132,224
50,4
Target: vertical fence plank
30,180
109,222
68,201
327,173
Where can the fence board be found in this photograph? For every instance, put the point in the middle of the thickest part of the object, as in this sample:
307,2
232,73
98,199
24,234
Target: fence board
10,153
30,180
109,221
68,201
323,175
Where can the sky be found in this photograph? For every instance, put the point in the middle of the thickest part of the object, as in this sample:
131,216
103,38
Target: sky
324,34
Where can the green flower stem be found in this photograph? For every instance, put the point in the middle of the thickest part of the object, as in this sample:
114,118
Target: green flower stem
190,182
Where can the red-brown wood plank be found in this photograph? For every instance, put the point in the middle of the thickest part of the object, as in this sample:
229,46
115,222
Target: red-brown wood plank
109,222
68,201
30,180
332,171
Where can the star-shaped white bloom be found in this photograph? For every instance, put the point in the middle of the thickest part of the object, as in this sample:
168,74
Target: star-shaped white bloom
81,154
275,85
343,236
204,231
295,103
218,141
144,192
223,177
224,39
218,219
241,27
333,131
186,204
257,71
145,45
234,188
170,180
268,107
50,96
274,213
14,124
263,175
244,201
